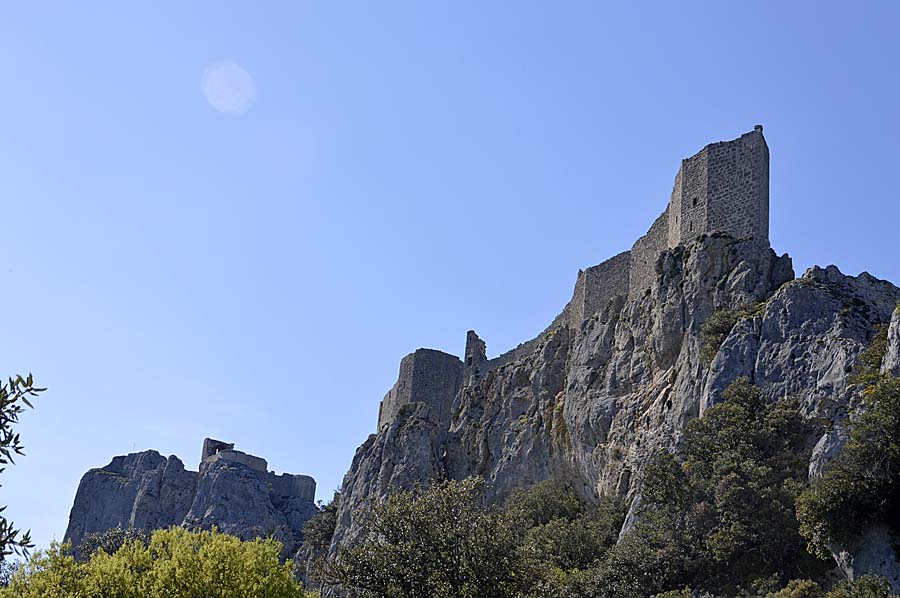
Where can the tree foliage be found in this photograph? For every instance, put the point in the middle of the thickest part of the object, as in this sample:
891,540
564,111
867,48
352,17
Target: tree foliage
111,540
176,563
720,516
15,396
862,484
436,541
317,532
718,326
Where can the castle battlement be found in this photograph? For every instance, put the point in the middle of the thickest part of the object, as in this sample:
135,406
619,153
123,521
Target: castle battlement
723,188
281,486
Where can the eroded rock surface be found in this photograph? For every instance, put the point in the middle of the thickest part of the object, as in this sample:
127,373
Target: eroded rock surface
142,490
892,357
232,491
590,404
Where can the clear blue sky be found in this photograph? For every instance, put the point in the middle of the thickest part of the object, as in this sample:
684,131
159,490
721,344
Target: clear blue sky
405,172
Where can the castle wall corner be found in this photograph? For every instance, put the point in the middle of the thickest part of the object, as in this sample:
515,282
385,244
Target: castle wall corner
598,284
426,376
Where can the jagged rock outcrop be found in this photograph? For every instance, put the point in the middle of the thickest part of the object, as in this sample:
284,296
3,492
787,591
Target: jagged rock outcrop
620,372
141,490
591,405
232,491
892,357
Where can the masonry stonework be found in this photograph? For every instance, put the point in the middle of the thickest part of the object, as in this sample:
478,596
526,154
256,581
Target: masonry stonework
598,284
723,188
643,257
426,376
284,486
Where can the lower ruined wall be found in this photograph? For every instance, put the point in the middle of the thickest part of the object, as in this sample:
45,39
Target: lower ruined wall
426,376
288,486
255,463
597,285
644,254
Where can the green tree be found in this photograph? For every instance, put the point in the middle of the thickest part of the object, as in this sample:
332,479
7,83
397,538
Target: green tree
720,515
176,563
112,540
441,540
15,396
866,586
862,484
563,535
317,532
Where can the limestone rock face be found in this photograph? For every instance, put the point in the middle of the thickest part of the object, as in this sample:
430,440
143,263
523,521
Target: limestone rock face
589,401
232,497
148,491
892,357
142,490
873,551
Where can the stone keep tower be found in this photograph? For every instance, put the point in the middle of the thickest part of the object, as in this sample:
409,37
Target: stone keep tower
724,188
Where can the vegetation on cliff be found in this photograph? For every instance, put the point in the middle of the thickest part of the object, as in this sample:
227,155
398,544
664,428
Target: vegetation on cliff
176,563
862,485
718,517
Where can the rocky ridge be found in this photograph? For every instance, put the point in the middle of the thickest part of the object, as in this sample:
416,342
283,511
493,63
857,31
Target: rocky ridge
589,405
231,491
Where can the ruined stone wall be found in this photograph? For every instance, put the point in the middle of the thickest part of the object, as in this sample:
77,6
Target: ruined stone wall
426,376
476,349
644,254
255,463
292,486
722,188
738,187
692,220
528,347
212,446
576,305
597,285
675,209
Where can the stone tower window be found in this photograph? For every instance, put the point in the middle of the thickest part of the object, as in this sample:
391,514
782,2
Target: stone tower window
692,227
695,201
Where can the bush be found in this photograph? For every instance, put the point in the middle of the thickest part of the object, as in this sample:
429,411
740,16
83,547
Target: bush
867,586
175,564
721,517
112,540
436,541
543,502
718,326
867,370
862,484
799,588
317,532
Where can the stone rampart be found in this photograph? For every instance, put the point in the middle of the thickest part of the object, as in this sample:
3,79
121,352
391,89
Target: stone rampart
644,254
738,187
232,456
723,188
212,446
597,285
290,486
426,376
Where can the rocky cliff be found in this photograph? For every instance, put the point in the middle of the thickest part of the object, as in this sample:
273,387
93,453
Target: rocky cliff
231,491
589,402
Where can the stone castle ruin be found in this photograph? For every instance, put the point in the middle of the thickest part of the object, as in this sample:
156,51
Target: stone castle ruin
232,491
722,189
283,486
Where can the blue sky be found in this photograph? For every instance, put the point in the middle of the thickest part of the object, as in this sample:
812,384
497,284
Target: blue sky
405,171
